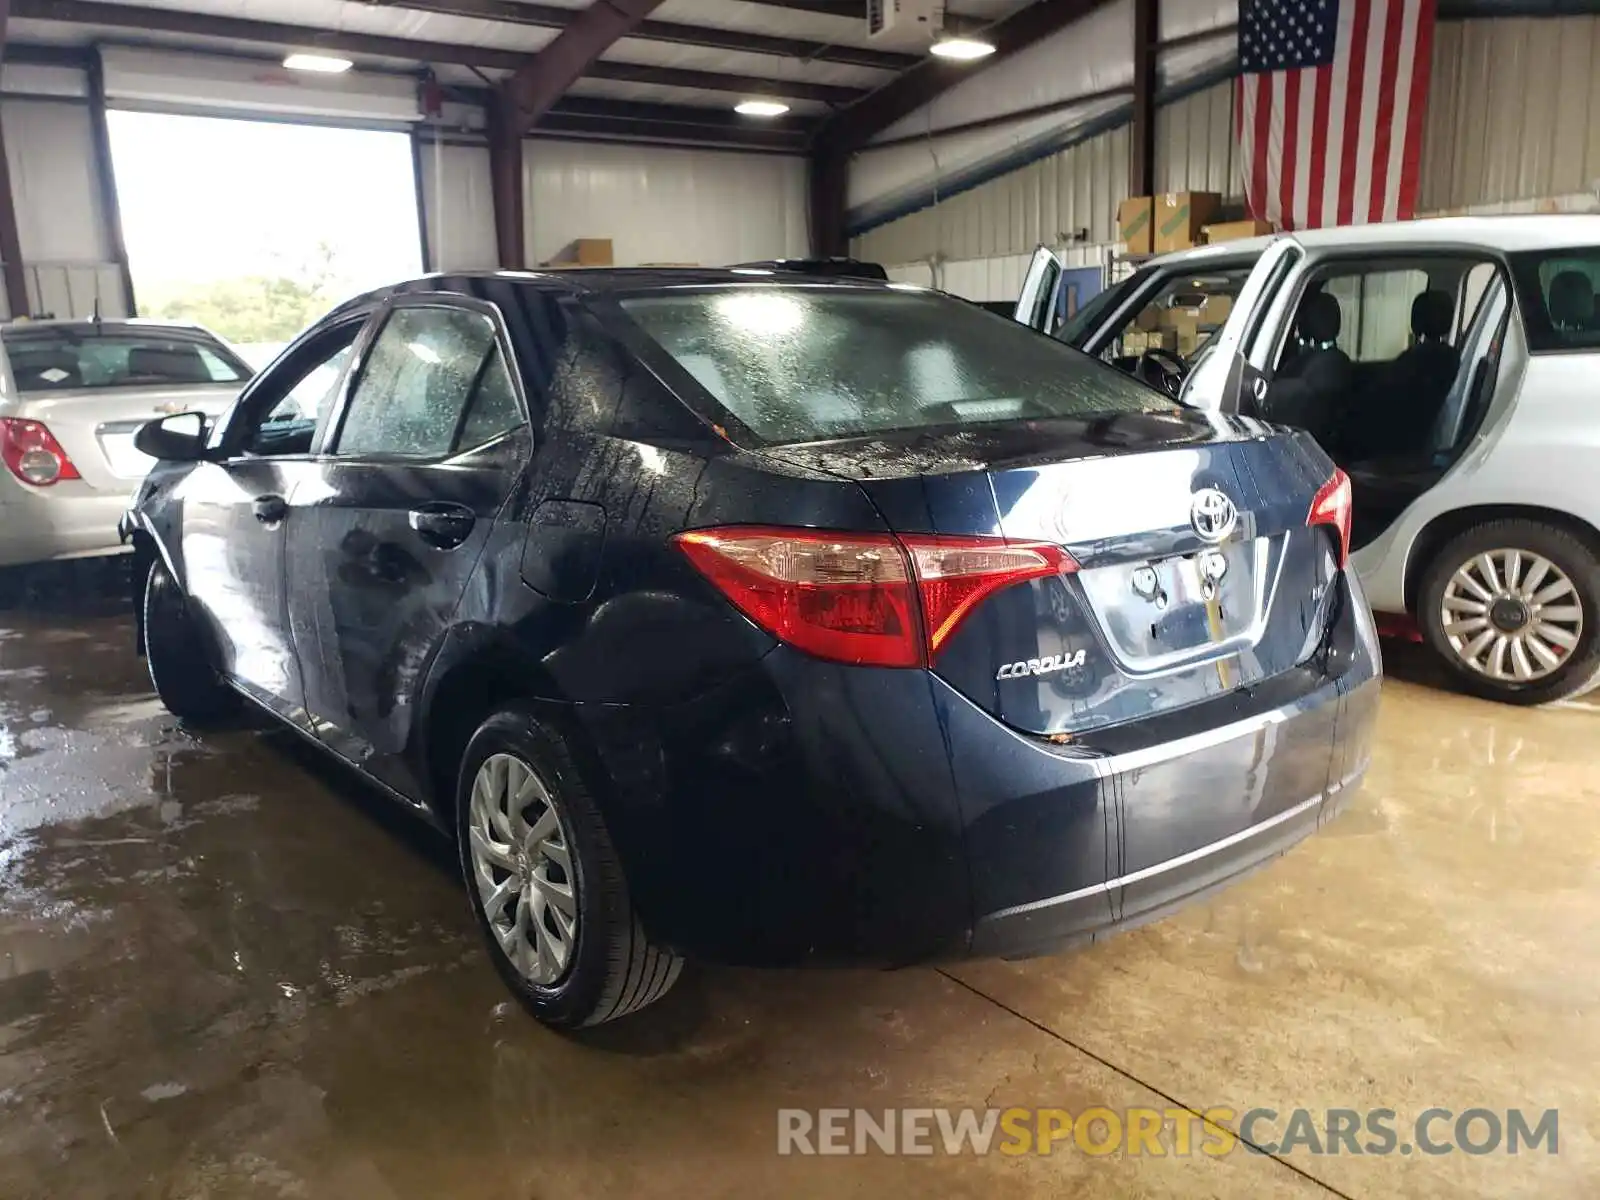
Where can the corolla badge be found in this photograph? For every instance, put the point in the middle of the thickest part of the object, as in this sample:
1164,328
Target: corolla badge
1212,514
1047,665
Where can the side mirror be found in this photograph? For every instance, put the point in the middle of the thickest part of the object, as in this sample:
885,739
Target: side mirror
180,438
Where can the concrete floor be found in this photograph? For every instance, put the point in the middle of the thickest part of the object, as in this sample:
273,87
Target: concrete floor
226,970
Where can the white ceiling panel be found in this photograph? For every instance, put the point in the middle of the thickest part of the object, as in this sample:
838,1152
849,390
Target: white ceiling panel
735,62
649,93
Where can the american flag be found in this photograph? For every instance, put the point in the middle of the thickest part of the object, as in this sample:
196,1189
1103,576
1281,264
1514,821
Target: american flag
1330,100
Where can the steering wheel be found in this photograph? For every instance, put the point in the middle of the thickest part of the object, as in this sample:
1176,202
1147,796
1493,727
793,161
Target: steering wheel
1167,370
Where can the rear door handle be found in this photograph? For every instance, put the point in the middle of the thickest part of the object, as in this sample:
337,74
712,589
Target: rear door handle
270,509
443,524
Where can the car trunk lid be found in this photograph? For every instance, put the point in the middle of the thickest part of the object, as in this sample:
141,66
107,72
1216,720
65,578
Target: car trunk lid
95,426
1197,573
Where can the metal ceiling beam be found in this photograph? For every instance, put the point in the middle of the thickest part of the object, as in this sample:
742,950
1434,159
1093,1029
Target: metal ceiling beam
275,33
644,130
543,79
752,85
546,16
713,119
849,130
853,10
49,56
306,37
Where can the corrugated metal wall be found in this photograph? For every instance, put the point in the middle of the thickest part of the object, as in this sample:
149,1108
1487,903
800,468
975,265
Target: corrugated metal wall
661,204
60,222
457,206
1047,202
1050,201
1513,111
1196,150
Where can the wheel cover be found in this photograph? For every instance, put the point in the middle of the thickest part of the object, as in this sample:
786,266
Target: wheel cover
1512,616
522,867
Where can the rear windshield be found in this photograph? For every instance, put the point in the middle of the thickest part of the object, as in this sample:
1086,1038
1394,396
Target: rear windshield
809,364
1557,291
52,360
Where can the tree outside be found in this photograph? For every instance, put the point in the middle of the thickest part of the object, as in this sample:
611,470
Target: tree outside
270,308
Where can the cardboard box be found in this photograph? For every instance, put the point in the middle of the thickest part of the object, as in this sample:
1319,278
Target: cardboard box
1134,223
1179,217
1233,231
584,252
1137,341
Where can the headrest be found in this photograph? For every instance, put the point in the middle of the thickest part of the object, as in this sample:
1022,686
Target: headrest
1431,314
1320,318
1572,300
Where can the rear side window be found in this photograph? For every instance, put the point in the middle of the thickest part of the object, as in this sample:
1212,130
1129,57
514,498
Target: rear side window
432,380
810,364
1557,290
45,359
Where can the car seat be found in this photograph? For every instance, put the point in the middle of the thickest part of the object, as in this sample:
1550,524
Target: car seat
1414,388
1572,301
1311,388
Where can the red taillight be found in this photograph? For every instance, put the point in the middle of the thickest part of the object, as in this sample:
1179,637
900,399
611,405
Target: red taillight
865,598
32,454
1331,506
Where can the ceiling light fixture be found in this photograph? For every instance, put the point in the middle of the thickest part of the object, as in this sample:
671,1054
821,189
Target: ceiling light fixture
323,63
962,49
760,108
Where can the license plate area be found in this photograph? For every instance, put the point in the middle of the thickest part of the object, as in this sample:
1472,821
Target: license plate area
1184,608
124,460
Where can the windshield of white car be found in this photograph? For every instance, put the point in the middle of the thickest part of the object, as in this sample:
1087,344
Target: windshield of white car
809,364
1076,329
1557,289
56,358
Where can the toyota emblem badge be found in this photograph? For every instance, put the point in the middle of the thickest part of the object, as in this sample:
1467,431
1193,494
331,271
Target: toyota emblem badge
1212,514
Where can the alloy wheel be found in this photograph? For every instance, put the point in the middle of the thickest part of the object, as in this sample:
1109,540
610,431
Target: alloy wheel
1511,615
522,867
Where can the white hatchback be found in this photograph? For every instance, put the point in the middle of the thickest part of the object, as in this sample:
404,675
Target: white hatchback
1450,366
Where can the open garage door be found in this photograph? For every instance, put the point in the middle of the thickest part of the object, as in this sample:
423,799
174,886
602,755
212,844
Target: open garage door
256,222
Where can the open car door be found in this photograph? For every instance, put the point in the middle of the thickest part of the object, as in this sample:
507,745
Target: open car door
1230,374
1037,305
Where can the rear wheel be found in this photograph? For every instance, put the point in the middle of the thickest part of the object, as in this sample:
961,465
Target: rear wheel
1513,608
176,652
545,883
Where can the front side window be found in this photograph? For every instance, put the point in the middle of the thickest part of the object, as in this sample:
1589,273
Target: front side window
1557,289
797,364
413,394
58,358
286,404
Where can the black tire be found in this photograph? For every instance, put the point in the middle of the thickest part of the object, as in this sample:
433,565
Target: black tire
177,653
613,969
1581,670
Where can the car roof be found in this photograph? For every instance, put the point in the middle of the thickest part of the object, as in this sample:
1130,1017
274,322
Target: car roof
1532,231
132,325
634,279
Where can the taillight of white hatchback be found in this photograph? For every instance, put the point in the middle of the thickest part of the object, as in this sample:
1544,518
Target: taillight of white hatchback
871,599
31,453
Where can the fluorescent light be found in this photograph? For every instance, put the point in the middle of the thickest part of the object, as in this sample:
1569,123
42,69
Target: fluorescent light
963,49
760,108
316,62
425,352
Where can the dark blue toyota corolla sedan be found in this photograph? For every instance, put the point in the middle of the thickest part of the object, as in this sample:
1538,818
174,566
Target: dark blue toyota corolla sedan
765,620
